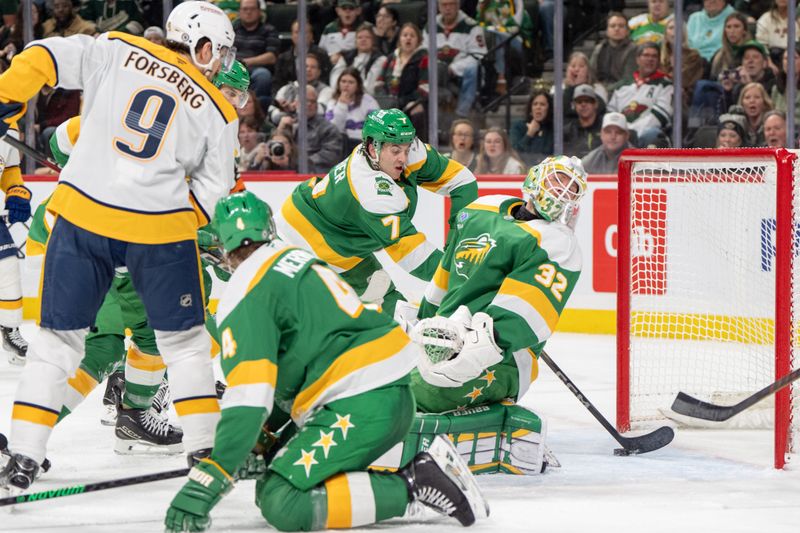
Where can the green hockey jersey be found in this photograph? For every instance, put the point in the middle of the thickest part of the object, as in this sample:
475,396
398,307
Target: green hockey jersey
296,336
519,272
354,211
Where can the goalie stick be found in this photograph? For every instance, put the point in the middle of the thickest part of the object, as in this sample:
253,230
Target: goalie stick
690,406
630,445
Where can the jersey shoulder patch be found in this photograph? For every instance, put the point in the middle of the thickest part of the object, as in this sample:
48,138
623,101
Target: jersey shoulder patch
558,241
375,191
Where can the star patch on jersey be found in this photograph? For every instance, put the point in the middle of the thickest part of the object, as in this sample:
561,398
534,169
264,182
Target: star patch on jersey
307,460
343,423
325,442
476,392
489,377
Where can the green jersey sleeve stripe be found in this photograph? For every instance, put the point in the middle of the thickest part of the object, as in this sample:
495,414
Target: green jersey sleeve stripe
412,251
518,306
528,368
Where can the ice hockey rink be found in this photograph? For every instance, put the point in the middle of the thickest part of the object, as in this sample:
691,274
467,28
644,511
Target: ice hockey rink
706,480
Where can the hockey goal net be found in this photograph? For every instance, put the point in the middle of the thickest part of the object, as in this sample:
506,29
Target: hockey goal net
708,283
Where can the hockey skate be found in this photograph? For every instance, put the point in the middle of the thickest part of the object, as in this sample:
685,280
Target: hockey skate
142,431
440,480
15,346
160,404
112,397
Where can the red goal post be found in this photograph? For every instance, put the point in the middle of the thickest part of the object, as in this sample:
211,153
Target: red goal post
707,285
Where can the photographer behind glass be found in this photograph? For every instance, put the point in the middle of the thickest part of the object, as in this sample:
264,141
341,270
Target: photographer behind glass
280,152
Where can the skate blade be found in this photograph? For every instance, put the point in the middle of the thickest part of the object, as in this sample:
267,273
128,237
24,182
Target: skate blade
454,467
109,418
140,447
14,359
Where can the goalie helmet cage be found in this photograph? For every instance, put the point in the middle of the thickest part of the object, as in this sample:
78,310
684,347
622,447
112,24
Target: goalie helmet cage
707,284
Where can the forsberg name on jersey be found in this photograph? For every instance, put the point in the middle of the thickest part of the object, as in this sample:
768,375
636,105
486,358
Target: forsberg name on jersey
163,71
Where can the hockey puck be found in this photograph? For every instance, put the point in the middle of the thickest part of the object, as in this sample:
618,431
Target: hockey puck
621,451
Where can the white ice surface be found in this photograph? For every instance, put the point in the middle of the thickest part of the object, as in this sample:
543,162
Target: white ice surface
705,481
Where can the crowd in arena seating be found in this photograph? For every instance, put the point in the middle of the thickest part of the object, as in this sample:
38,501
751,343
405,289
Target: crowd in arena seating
366,55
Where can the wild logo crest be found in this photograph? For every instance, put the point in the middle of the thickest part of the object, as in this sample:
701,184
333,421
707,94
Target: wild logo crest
383,186
470,253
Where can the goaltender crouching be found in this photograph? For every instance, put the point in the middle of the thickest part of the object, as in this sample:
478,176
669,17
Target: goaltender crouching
491,306
297,342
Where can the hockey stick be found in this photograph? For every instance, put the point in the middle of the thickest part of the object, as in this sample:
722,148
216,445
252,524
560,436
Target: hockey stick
27,150
630,445
91,487
690,406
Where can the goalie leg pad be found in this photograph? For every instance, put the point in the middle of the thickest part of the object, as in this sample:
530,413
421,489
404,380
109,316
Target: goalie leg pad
497,438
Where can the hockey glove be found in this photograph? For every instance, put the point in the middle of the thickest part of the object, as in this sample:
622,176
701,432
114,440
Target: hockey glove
255,465
9,113
189,510
18,203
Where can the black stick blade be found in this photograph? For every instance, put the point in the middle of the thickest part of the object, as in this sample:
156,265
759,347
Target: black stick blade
649,442
691,406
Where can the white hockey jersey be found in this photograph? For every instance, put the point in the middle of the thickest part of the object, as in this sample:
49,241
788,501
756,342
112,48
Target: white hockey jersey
157,143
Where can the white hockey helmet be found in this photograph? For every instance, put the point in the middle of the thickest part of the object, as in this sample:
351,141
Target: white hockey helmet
555,186
192,21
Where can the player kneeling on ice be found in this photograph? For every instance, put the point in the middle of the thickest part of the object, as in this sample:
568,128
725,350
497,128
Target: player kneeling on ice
298,343
491,306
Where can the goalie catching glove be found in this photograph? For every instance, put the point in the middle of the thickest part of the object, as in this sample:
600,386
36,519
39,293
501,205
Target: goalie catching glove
456,349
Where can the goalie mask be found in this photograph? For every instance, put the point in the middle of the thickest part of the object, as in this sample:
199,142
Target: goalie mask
191,22
555,186
241,219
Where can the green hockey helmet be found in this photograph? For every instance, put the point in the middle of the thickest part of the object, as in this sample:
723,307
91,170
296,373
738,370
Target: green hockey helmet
387,126
234,84
243,218
555,187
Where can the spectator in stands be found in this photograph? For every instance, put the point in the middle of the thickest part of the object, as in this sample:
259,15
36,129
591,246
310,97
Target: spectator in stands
775,129
496,155
155,34
339,35
53,107
65,21
772,28
324,142
257,46
285,98
285,69
692,64
614,135
650,26
778,92
646,97
546,21
387,29
281,153
752,8
403,82
500,18
11,39
730,133
252,149
734,35
578,72
365,57
8,8
582,133
114,15
704,28
754,68
460,45
462,141
756,102
614,57
532,137
349,107
252,108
